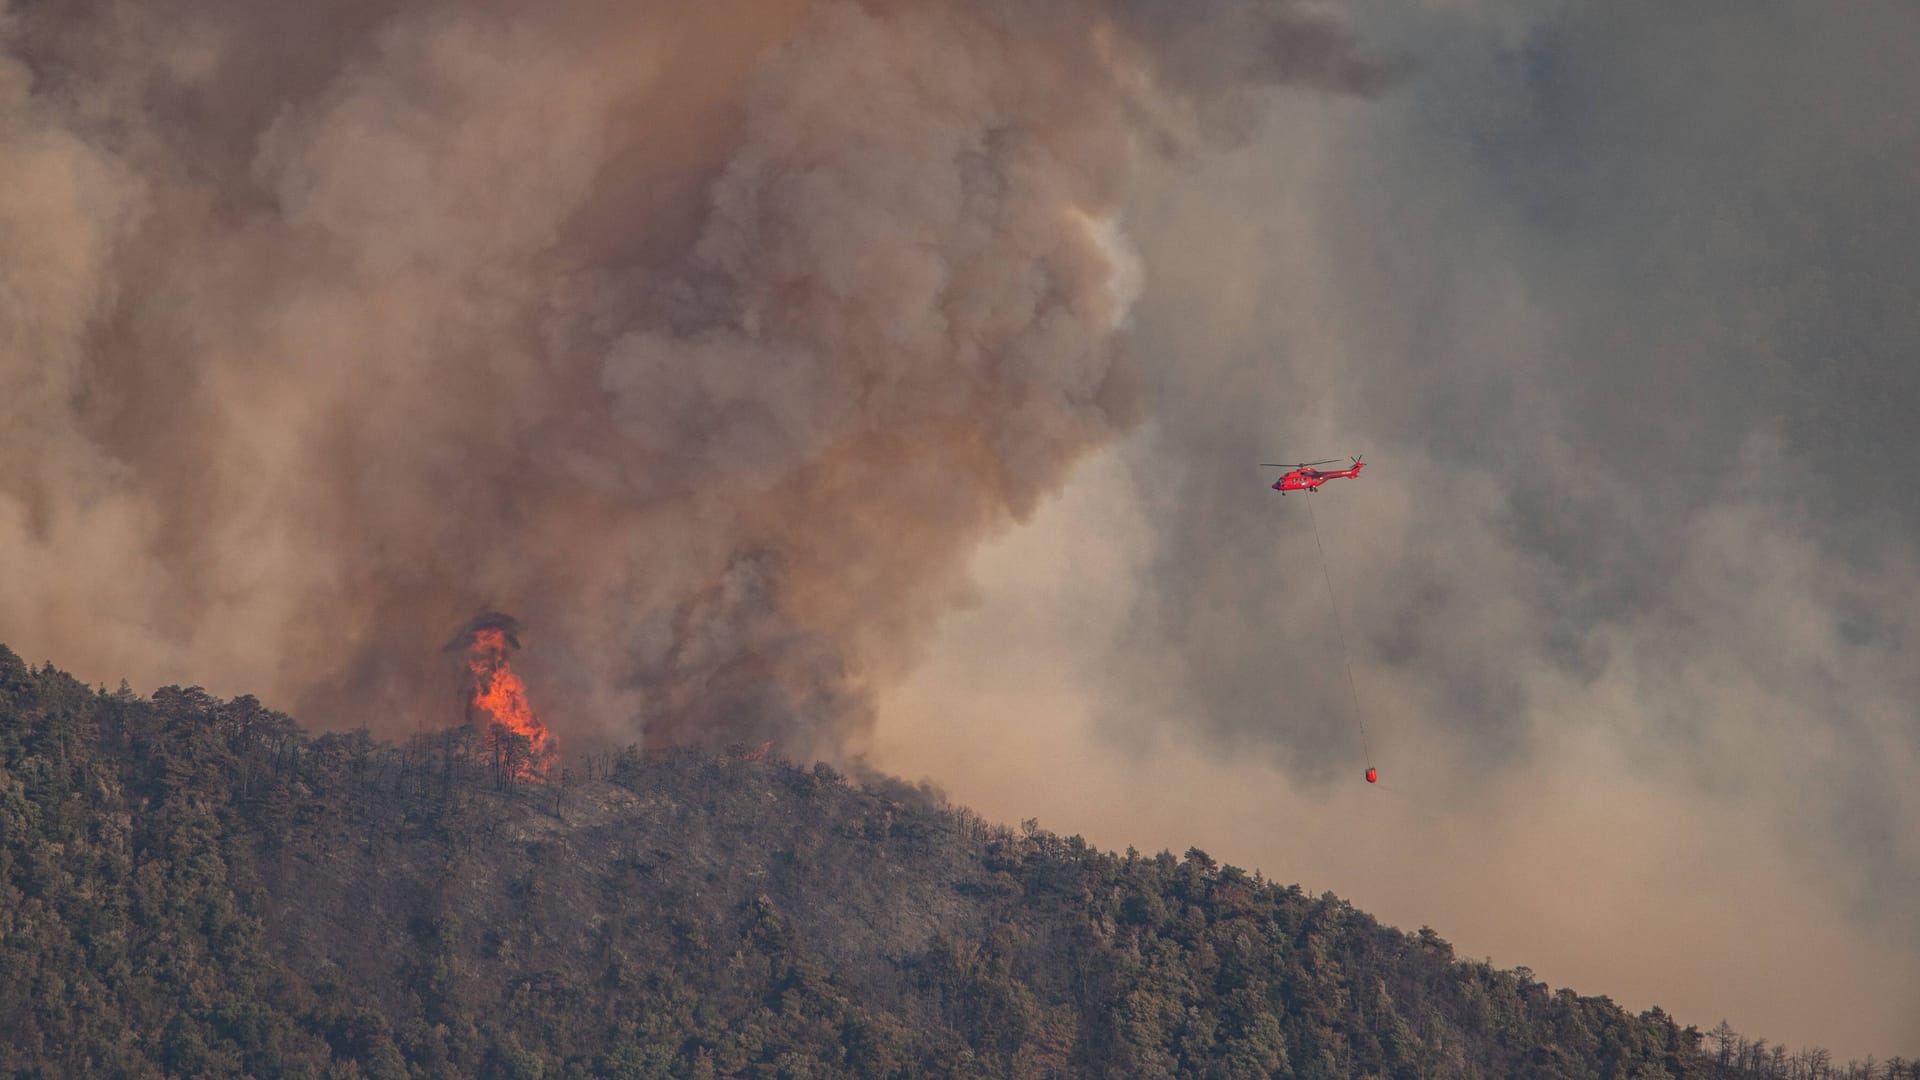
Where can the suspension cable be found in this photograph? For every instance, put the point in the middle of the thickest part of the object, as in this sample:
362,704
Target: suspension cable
1353,690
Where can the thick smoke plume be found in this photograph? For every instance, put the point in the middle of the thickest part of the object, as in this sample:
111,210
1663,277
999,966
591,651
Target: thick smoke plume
706,339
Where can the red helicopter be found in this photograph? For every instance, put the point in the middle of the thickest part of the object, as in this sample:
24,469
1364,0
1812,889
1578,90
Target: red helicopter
1305,477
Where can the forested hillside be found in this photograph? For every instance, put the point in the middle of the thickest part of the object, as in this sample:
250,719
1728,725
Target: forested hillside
196,887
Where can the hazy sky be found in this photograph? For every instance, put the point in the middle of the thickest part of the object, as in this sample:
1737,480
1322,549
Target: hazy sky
891,376
1623,304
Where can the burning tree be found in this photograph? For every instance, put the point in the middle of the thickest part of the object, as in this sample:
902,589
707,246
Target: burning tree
518,744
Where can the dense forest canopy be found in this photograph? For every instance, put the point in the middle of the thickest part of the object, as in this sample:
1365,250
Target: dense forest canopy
198,887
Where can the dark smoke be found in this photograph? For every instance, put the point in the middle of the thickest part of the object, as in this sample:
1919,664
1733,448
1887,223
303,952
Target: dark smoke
706,339
508,626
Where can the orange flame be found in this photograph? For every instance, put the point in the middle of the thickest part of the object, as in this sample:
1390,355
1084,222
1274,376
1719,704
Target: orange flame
499,693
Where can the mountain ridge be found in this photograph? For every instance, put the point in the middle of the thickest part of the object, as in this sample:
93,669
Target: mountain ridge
193,886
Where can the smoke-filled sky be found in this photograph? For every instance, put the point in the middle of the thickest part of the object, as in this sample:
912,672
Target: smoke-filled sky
704,339
714,341
1622,302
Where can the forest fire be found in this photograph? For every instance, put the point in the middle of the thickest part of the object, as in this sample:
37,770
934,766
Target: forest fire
500,701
